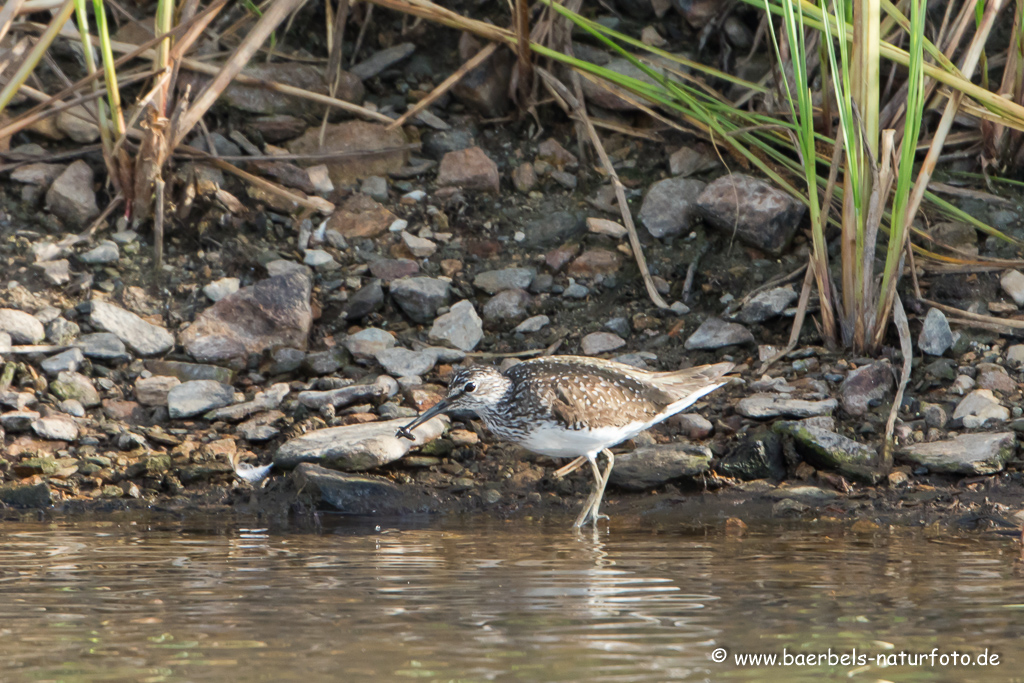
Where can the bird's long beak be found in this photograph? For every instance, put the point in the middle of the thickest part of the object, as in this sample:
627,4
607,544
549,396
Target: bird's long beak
436,409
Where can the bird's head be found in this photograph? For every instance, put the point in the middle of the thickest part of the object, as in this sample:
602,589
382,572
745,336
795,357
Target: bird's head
476,388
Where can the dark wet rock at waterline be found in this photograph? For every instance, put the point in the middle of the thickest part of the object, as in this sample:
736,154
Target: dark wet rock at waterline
273,312
758,456
360,494
19,495
754,211
828,450
649,467
967,454
356,447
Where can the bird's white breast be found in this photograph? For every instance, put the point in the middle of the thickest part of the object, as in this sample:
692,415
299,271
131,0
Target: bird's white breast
557,442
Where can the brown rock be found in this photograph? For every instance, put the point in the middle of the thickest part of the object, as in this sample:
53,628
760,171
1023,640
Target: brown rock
556,155
273,312
355,136
276,127
360,216
425,396
995,378
124,411
485,88
469,169
152,391
450,266
595,262
557,258
524,177
393,269
259,100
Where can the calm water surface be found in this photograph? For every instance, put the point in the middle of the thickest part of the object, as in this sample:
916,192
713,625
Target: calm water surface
483,600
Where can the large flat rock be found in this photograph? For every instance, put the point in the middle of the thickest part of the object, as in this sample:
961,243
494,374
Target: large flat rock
972,454
356,447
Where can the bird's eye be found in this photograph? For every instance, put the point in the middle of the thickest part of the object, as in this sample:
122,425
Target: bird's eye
469,388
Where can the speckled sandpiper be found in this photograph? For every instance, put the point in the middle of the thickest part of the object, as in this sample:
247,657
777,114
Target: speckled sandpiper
572,406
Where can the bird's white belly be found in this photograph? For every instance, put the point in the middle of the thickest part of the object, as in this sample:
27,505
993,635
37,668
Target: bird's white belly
561,443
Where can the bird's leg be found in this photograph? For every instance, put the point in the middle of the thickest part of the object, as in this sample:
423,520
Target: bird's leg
571,467
593,504
588,506
604,482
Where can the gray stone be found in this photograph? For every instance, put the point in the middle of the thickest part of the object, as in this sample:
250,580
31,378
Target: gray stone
764,406
936,337
56,428
327,361
601,342
534,324
62,331
460,326
218,289
18,420
766,305
77,123
420,297
37,174
375,186
382,387
5,342
273,312
619,326
22,327
494,281
576,291
418,246
469,169
1015,355
318,258
145,339
403,362
356,447
368,343
437,143
553,229
65,360
715,334
381,60
197,397
103,253
72,407
75,385
263,401
71,196
687,161
366,300
756,212
152,391
670,206
649,467
104,346
507,307
968,454
56,272
286,359
1012,282
866,385
828,450
978,407
935,416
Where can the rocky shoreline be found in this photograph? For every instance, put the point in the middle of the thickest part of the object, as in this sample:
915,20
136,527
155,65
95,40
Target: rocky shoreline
290,345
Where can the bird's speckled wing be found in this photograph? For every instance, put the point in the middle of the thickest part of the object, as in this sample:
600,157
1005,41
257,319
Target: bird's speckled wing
586,393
